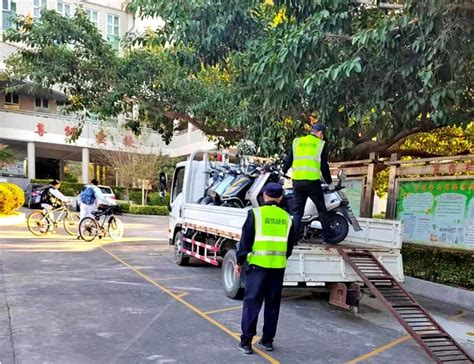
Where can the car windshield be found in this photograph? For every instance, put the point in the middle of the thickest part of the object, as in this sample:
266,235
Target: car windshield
106,190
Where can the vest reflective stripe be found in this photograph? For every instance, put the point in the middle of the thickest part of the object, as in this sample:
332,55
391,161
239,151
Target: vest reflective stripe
269,252
272,227
307,153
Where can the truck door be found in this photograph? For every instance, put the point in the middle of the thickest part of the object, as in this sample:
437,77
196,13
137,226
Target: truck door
176,198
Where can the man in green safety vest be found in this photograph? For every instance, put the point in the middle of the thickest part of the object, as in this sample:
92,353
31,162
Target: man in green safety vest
308,158
267,241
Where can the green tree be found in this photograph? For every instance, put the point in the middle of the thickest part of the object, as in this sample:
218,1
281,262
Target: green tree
6,155
447,141
263,70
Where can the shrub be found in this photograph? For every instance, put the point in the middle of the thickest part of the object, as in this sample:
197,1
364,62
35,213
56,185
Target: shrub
17,194
11,198
125,207
135,196
437,265
157,200
67,188
7,202
149,210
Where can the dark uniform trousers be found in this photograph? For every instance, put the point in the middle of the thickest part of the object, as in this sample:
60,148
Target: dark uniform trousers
262,284
301,191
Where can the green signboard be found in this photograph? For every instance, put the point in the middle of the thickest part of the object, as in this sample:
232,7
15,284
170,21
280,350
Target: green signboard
353,191
437,213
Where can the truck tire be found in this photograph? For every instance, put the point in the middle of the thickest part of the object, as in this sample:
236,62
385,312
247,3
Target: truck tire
179,257
231,283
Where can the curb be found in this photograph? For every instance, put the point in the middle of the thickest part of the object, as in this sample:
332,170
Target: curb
439,292
17,219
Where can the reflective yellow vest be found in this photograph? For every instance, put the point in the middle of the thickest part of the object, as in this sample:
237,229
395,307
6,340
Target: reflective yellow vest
272,228
307,158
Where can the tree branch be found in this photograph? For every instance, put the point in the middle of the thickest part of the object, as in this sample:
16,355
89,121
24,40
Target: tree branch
173,115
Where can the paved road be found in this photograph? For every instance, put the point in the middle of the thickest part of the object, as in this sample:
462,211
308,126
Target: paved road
65,301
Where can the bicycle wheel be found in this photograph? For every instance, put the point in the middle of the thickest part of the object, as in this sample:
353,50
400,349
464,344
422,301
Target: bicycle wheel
38,223
88,229
71,223
115,228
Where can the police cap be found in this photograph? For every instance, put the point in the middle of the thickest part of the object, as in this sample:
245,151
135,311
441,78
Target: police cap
274,190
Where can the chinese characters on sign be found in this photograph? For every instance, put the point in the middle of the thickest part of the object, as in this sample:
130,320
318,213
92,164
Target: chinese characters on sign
70,131
40,129
438,213
127,141
100,137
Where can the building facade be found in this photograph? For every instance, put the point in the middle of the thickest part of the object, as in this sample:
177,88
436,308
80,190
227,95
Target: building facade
35,128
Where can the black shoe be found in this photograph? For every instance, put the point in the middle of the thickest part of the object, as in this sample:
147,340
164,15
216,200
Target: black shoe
246,349
266,346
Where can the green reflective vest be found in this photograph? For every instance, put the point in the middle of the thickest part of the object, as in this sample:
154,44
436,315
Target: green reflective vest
307,158
272,227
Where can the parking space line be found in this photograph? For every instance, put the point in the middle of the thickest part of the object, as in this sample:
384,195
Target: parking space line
187,304
459,315
380,349
287,298
180,293
395,342
173,278
223,310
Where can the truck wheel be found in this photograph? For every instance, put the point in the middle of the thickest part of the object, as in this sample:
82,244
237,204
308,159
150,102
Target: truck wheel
232,284
179,257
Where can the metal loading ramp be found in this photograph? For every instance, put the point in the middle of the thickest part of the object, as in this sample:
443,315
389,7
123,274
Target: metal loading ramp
422,327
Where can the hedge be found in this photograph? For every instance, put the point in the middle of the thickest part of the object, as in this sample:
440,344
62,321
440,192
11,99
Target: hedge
74,188
454,268
149,210
12,198
67,188
157,200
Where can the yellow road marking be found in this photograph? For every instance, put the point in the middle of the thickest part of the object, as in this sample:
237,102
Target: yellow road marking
380,349
223,310
180,293
455,317
173,278
187,304
395,342
287,298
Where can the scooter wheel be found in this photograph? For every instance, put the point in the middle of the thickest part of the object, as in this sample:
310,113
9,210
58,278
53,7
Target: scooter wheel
339,228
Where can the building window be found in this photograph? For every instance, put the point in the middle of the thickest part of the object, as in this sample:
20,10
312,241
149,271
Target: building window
113,30
38,5
93,17
64,8
12,99
41,103
8,11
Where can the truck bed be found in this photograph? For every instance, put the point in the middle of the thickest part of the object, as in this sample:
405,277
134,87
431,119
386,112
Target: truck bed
228,221
311,263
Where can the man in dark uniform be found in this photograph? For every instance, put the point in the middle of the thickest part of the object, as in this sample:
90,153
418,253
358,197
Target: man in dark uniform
309,159
267,242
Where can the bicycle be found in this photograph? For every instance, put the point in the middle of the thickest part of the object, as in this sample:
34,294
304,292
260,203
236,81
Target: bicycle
92,227
41,222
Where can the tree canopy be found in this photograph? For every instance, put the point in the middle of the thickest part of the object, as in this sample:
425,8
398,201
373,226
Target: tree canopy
263,70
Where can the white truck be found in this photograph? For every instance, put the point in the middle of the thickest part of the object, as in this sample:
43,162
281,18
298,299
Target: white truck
211,234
